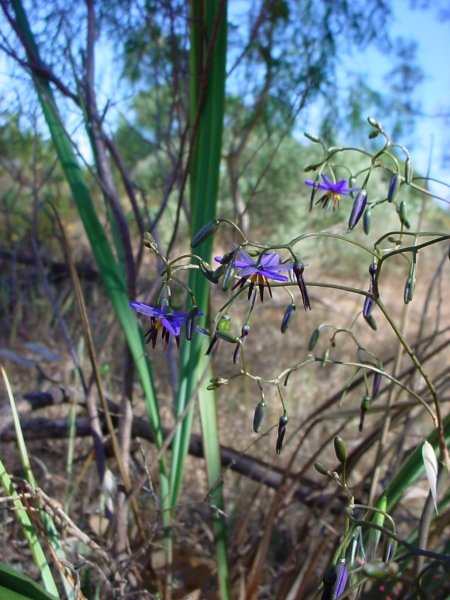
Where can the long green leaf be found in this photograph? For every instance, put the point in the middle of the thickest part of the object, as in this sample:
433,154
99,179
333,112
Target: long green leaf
13,582
107,265
204,185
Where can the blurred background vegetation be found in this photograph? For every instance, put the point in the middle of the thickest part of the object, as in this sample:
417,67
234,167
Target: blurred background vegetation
120,75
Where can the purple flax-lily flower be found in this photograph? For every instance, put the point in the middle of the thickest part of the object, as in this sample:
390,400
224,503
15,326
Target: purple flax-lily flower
259,270
163,319
333,190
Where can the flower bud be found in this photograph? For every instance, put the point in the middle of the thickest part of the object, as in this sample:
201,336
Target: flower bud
368,306
150,242
371,322
367,220
402,213
358,208
228,276
374,123
290,310
393,186
340,450
409,170
313,138
205,232
237,354
373,134
365,405
314,339
212,276
216,382
325,357
377,377
320,468
259,416
281,432
298,269
410,286
191,322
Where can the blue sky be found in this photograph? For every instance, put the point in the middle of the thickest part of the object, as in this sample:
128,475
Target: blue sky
432,36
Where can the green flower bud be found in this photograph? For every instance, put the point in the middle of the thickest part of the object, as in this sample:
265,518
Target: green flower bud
325,357
259,416
402,213
340,450
314,339
374,123
409,170
320,468
150,242
313,138
228,276
216,382
205,232
367,217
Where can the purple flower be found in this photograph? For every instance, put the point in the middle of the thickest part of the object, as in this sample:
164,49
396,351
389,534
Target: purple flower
163,319
333,191
259,270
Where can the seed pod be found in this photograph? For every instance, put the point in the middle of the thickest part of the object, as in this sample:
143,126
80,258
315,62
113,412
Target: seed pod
281,432
207,230
409,170
367,220
368,306
381,571
290,310
314,339
228,276
358,208
394,184
377,377
259,416
320,468
340,450
224,323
